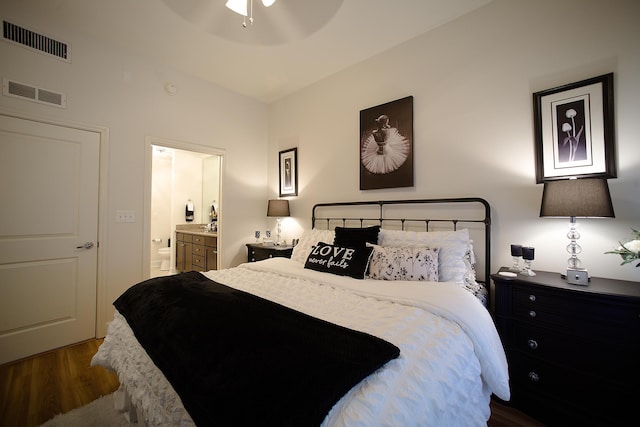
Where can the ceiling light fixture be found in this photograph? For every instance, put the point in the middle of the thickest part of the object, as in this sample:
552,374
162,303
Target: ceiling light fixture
241,6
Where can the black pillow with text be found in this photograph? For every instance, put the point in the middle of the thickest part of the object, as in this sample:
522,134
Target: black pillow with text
339,260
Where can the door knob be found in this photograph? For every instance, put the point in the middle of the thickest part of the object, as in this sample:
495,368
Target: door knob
87,245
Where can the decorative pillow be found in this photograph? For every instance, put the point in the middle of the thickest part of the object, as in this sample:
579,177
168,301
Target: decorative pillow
397,263
470,265
309,239
453,248
356,237
352,262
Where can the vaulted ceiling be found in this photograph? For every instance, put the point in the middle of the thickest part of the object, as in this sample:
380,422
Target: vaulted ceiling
290,45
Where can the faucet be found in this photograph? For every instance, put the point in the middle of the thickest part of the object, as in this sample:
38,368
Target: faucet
208,228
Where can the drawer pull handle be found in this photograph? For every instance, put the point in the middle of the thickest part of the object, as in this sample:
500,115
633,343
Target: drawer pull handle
532,297
532,313
534,377
533,344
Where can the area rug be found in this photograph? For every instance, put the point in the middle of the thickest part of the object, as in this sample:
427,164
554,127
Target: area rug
99,413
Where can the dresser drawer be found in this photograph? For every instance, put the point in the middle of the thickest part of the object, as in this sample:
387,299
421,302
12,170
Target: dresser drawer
568,388
599,317
198,250
610,360
257,252
199,260
184,237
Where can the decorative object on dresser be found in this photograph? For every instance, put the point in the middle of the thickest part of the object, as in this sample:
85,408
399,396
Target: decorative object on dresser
278,208
528,254
516,254
586,197
573,351
630,251
258,252
574,130
196,251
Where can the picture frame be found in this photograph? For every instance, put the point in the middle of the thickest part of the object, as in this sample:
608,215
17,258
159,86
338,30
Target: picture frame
288,171
386,145
574,130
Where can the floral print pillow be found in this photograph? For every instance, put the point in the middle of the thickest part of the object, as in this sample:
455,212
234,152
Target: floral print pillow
403,263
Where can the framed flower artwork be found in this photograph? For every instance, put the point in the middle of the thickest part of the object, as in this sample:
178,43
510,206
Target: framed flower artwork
574,130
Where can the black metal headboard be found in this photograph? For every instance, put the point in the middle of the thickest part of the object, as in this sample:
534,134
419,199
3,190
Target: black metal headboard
421,214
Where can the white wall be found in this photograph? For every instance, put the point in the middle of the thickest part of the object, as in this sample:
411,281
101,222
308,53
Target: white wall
125,94
472,81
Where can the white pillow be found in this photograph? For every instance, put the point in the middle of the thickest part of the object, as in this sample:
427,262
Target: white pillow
308,240
402,263
454,247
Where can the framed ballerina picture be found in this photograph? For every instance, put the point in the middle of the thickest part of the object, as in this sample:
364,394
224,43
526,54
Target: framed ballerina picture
386,145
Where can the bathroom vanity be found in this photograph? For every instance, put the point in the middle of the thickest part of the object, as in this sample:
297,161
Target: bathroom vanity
196,250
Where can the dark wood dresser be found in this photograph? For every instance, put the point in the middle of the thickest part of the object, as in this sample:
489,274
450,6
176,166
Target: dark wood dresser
573,351
258,251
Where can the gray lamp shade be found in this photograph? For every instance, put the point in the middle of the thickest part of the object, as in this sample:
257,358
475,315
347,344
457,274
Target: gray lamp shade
586,197
279,208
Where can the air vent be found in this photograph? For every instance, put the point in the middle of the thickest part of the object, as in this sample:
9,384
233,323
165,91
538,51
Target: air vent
33,93
38,42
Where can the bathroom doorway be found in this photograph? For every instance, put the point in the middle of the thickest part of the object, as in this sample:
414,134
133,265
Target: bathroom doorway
178,175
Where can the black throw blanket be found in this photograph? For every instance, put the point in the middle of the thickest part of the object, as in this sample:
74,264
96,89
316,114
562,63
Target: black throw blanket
239,360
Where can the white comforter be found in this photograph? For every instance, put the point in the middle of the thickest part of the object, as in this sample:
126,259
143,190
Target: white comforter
451,358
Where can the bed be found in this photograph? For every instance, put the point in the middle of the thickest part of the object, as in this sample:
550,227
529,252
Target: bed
380,318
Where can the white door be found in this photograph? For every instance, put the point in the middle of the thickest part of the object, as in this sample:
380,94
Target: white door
48,236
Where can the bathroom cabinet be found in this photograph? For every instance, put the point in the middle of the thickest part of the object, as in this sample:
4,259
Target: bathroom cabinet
196,251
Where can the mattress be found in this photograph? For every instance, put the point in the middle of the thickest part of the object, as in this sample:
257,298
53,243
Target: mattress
451,358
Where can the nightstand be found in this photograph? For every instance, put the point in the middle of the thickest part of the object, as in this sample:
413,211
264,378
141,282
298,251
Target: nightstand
573,351
258,251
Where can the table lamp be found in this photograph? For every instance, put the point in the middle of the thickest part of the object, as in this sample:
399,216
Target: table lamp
584,197
278,208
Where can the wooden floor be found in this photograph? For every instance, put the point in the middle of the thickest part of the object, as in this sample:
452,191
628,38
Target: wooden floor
35,389
504,416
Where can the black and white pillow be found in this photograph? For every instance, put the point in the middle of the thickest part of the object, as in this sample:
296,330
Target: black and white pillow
403,263
339,260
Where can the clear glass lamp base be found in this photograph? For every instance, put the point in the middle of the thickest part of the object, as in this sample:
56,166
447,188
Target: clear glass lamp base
527,271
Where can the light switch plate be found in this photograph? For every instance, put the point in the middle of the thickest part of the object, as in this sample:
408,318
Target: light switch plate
125,216
577,277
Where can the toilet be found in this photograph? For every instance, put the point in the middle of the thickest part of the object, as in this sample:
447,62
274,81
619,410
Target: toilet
165,257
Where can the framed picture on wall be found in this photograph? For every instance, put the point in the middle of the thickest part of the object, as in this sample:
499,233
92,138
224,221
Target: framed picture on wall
574,130
386,145
289,172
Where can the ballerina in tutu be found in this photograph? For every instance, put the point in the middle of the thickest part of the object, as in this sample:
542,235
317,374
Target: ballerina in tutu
384,149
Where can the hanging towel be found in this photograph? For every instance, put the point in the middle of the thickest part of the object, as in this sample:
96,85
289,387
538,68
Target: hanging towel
188,214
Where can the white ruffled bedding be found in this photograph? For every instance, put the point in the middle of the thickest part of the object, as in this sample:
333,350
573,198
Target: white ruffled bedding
451,357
